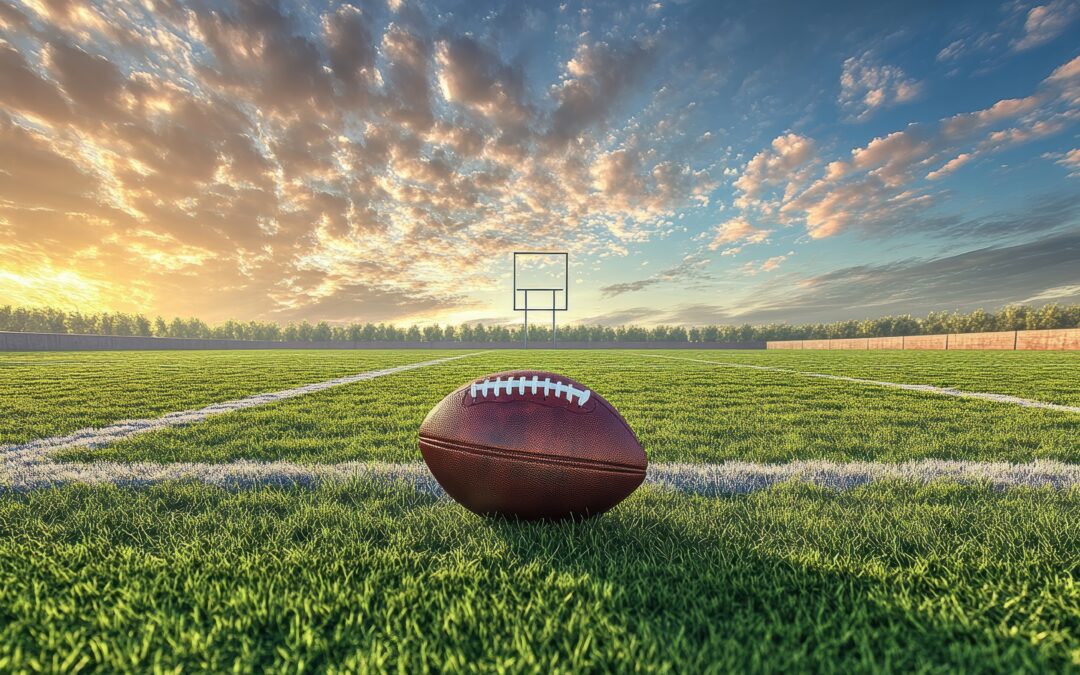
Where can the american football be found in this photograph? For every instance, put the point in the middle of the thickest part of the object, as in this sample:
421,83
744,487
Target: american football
531,445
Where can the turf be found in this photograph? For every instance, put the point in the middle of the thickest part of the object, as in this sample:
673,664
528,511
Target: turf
1043,376
681,410
369,576
359,576
46,394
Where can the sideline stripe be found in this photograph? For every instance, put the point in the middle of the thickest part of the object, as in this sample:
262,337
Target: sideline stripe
924,388
726,478
39,450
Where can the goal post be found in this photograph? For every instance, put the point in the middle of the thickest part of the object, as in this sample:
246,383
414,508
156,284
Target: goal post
542,279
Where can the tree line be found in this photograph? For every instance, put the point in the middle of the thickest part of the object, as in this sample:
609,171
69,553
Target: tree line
1012,317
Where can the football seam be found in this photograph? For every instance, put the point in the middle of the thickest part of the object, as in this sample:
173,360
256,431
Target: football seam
553,460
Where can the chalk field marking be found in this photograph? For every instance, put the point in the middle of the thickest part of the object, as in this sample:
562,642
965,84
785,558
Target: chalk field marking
39,450
726,478
923,388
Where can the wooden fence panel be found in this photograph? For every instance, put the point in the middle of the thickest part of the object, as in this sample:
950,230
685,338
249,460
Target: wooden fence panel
999,340
816,344
1062,338
885,343
784,344
849,343
926,342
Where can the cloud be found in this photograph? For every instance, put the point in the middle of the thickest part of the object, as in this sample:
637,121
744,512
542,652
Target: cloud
1045,22
24,91
1040,215
958,126
474,76
950,166
1022,28
889,181
1058,293
691,269
866,86
774,262
769,265
1066,78
351,162
789,154
1071,161
595,79
736,230
951,51
622,317
348,35
985,277
259,53
409,77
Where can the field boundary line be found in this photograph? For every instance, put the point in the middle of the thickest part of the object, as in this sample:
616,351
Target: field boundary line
923,388
719,479
96,437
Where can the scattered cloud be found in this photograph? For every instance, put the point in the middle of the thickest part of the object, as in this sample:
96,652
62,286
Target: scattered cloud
774,262
352,163
692,269
950,166
736,231
882,184
867,86
1045,22
1057,293
786,161
769,265
1071,161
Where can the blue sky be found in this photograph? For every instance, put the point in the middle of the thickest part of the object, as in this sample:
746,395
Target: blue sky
702,162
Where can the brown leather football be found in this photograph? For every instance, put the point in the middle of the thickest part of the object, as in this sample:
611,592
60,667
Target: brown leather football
532,445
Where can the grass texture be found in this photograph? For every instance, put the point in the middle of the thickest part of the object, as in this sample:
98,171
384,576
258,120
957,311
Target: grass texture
48,394
1043,376
681,410
360,576
363,575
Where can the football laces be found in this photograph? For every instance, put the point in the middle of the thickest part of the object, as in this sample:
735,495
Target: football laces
557,389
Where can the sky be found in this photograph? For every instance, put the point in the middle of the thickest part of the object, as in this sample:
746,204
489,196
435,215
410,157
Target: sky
700,161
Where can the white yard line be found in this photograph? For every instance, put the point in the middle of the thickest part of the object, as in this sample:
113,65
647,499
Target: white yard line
40,449
923,388
725,478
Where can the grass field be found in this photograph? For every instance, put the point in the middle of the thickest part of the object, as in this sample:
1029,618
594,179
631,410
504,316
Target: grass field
681,410
1043,376
370,575
45,394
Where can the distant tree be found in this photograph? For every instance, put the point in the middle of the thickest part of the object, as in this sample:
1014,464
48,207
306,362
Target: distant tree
1050,316
321,332
1011,317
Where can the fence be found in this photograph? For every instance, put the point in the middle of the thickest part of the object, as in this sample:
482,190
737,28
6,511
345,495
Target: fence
52,342
1035,340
